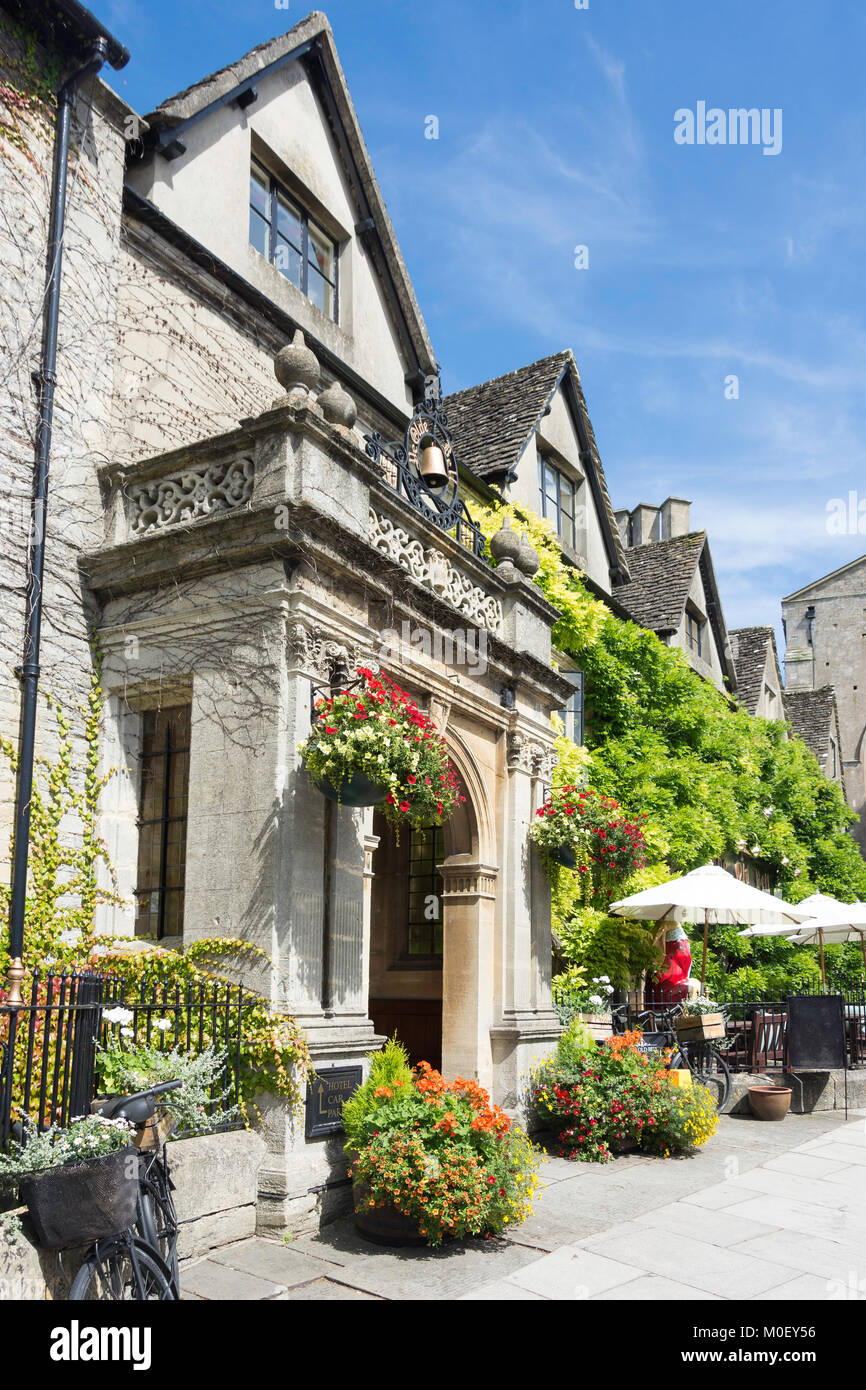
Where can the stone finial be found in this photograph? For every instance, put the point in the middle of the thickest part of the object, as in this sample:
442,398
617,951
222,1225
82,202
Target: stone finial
505,545
337,406
527,560
296,366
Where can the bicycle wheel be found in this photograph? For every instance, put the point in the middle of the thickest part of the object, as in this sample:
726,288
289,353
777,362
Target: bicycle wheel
709,1069
156,1220
109,1275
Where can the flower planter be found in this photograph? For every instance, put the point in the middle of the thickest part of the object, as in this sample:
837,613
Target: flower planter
357,790
600,1025
78,1203
385,1225
769,1102
700,1027
565,856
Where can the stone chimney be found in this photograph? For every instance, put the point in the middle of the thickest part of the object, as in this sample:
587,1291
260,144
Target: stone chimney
644,524
623,525
674,515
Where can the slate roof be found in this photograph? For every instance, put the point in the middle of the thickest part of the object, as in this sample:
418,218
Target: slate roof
812,715
749,647
661,576
492,424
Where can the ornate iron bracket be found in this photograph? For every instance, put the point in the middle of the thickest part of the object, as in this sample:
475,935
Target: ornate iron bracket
399,465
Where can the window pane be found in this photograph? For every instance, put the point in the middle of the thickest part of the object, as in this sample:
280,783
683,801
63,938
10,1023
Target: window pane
320,292
288,261
258,232
288,221
259,195
321,251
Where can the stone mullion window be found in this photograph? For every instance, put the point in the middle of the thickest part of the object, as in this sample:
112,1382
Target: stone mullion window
572,711
302,251
162,821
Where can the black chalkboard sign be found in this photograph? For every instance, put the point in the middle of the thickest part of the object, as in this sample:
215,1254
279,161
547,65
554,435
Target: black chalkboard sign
327,1093
816,1032
654,1042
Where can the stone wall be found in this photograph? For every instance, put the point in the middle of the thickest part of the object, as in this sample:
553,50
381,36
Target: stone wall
215,1178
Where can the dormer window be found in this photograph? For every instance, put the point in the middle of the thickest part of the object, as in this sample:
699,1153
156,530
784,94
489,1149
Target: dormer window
694,632
557,499
282,230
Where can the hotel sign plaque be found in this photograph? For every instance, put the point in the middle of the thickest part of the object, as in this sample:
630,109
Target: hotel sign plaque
327,1092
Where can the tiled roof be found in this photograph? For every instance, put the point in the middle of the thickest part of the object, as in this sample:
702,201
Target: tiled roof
749,646
492,423
661,576
812,715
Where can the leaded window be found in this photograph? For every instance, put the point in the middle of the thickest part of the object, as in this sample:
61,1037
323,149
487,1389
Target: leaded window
282,230
424,936
162,821
558,494
694,633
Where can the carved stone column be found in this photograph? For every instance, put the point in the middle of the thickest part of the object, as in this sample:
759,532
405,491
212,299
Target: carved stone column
468,1008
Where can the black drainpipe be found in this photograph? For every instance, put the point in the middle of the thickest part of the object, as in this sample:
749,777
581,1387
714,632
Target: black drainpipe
28,671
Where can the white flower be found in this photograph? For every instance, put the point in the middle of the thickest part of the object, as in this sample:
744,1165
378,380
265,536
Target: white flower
118,1015
608,989
49,960
126,1033
70,937
785,859
596,1001
162,1024
768,810
604,979
797,873
756,849
741,844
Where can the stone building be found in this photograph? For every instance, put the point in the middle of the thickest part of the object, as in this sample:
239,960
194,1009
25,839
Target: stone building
256,526
824,631
759,680
672,588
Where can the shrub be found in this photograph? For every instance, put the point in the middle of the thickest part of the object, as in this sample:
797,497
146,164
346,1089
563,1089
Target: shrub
198,1106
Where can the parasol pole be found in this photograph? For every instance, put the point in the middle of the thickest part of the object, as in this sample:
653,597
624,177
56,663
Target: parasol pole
863,949
704,960
821,948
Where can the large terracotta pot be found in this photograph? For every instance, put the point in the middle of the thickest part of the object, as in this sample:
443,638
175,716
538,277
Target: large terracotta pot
769,1102
385,1225
355,791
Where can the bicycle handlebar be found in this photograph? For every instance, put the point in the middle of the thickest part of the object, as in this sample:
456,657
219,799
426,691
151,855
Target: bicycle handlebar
139,1107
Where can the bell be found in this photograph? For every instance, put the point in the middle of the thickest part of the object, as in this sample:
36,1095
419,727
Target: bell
432,464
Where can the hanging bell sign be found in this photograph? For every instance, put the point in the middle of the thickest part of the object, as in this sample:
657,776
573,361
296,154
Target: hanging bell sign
431,463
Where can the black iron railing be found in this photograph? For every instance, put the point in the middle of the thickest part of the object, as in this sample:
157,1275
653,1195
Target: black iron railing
48,1046
756,1029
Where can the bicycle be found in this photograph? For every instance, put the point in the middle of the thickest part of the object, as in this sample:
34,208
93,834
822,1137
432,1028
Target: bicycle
703,1060
140,1263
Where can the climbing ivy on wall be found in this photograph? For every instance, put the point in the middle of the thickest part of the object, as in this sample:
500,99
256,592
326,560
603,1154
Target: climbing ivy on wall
714,781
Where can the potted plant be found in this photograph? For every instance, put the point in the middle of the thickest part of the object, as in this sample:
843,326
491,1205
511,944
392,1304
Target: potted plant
701,1019
586,1001
370,744
79,1184
432,1159
581,829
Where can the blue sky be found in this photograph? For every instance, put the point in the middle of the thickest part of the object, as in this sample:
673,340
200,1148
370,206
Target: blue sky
556,130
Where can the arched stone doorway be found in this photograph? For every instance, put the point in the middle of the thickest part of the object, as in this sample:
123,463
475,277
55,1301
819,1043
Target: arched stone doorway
432,906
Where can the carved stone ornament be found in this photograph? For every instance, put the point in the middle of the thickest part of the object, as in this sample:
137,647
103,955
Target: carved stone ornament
296,365
523,754
337,406
322,656
188,494
434,570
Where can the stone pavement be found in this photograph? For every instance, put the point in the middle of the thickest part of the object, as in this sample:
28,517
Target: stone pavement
764,1211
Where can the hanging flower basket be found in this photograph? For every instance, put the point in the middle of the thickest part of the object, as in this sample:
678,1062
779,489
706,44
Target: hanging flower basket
357,790
583,830
78,1203
371,745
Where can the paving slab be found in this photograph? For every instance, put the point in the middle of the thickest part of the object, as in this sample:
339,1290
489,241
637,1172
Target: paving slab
211,1280
805,1165
806,1218
328,1289
843,1153
713,1227
654,1288
806,1286
813,1255
501,1291
573,1274
268,1259
692,1262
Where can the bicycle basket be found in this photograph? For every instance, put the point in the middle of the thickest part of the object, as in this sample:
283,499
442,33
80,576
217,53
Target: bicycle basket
78,1203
